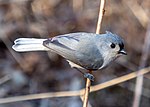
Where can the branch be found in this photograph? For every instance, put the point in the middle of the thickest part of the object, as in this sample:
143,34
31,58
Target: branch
138,11
5,79
76,93
139,80
101,14
87,90
99,23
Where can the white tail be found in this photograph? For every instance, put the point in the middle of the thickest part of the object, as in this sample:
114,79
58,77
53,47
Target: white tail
29,44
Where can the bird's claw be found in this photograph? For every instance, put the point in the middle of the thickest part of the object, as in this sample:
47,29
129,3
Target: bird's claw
89,76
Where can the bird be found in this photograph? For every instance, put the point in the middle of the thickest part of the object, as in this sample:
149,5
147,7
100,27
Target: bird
88,51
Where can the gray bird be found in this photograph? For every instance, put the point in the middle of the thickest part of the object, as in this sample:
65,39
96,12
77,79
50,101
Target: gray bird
82,50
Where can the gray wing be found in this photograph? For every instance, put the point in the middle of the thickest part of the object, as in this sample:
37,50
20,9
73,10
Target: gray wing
78,48
88,55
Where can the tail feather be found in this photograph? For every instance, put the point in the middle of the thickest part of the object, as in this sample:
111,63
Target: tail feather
29,44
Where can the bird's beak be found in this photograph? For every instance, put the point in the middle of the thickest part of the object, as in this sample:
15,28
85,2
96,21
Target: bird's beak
122,52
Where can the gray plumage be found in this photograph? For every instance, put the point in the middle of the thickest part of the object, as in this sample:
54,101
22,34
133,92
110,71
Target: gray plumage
83,50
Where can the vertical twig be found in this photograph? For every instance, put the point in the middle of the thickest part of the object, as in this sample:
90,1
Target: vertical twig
101,14
139,81
99,23
87,90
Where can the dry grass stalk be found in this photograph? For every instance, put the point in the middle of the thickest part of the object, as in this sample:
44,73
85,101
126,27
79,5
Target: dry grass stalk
99,23
101,14
5,79
139,81
76,93
87,90
138,11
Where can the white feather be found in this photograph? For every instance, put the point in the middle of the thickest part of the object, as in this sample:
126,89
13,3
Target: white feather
29,44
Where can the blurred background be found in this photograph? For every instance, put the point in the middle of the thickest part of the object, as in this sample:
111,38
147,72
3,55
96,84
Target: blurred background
39,72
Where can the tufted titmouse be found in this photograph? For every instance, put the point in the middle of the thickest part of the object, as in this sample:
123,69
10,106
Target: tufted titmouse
82,50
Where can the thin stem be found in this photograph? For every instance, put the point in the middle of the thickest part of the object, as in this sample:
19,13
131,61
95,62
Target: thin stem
139,80
101,86
87,90
101,14
99,23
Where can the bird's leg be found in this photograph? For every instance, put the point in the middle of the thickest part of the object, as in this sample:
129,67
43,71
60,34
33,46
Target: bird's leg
86,75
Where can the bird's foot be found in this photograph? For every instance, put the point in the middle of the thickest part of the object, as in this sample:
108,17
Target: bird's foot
89,76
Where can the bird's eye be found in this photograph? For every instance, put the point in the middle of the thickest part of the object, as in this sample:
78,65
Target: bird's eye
112,45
